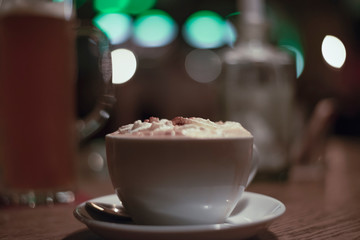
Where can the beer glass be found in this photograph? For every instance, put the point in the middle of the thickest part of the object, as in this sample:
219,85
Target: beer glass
38,135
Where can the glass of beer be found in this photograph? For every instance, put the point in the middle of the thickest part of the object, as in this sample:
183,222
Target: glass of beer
38,134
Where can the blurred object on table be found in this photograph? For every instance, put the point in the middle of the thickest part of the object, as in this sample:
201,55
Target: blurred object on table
259,86
308,153
38,134
316,133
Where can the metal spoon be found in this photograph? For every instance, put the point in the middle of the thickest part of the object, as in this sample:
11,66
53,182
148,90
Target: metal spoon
107,212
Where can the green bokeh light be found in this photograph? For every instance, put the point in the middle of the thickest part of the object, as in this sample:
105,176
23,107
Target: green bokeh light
287,35
204,29
116,26
110,6
299,59
289,38
230,34
154,28
139,6
123,6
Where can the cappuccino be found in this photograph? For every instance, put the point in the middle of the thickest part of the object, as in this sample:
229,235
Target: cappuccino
180,172
193,127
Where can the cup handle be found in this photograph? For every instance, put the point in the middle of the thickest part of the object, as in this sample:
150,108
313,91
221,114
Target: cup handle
91,123
255,161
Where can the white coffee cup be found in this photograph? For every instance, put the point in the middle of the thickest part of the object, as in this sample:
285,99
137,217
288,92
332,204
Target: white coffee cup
179,181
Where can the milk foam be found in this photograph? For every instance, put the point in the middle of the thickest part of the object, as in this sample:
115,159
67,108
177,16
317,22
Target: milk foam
51,9
183,127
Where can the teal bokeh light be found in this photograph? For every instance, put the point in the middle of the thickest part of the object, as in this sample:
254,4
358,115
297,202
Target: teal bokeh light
205,29
123,6
110,6
139,6
299,59
116,26
230,34
154,28
287,36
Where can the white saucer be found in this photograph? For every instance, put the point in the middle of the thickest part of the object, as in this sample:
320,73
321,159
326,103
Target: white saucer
253,213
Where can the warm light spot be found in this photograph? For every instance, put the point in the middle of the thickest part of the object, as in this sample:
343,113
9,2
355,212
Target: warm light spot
95,162
123,65
203,65
333,51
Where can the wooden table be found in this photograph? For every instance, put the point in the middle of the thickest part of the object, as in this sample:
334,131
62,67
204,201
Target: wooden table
325,208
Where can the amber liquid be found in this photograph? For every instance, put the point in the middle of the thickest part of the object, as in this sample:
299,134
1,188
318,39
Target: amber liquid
37,71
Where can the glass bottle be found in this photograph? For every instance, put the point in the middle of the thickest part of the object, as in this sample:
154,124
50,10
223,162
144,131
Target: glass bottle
258,90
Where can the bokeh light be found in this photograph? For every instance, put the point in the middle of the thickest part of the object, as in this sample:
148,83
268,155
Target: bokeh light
96,162
123,6
139,6
299,59
116,26
286,33
205,29
110,6
124,65
203,65
154,28
333,51
230,34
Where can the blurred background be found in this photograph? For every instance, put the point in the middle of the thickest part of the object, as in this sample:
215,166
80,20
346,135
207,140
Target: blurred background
167,58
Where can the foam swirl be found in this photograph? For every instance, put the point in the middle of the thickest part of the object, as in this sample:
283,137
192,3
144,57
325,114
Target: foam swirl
193,127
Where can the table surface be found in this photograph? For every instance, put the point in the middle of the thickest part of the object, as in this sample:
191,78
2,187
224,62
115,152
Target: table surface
325,207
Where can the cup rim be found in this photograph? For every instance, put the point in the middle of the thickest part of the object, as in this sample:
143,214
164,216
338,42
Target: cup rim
172,138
